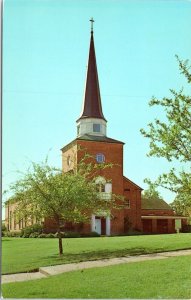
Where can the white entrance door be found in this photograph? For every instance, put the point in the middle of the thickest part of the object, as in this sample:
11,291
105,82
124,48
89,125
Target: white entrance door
98,226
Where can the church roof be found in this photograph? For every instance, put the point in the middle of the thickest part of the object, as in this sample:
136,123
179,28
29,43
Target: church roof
154,204
88,137
131,182
91,138
92,107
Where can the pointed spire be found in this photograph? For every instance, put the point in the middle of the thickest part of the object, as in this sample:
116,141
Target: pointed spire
92,107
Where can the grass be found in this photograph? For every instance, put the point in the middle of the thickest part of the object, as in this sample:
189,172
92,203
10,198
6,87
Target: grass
168,278
23,255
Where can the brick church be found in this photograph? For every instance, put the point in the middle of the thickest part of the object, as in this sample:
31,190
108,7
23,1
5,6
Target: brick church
147,216
92,136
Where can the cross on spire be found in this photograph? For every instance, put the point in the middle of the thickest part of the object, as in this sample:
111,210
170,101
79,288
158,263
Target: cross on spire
92,107
92,21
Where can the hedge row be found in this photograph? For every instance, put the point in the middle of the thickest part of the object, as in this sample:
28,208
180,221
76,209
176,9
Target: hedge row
51,235
36,231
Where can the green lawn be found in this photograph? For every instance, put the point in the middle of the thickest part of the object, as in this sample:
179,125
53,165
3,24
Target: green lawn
21,255
168,278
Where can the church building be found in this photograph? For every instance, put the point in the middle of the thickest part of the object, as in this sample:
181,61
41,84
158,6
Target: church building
155,217
92,136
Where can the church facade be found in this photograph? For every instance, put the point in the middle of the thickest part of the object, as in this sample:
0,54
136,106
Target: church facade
92,136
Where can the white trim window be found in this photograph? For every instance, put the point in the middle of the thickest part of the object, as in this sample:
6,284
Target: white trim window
100,184
108,187
103,188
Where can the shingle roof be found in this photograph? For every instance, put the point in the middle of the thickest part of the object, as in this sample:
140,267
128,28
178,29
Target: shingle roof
91,138
88,137
92,107
154,204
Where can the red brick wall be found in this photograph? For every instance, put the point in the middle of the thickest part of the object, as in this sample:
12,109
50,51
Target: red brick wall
133,213
113,153
51,226
72,153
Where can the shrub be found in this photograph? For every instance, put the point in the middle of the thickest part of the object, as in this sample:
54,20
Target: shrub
12,234
34,235
3,230
42,235
56,235
50,235
90,234
62,234
186,228
25,235
68,234
134,232
25,232
71,234
3,227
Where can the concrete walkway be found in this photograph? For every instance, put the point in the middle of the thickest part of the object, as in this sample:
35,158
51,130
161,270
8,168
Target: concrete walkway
54,270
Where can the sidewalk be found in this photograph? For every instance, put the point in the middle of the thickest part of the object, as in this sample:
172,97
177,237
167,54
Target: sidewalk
58,269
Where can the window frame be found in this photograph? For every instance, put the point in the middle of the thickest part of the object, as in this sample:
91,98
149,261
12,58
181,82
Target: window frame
100,187
96,126
100,158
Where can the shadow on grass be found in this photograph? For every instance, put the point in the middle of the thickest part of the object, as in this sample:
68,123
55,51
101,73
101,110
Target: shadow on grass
67,258
96,255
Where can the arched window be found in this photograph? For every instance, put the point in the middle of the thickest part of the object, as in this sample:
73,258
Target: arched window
100,158
100,184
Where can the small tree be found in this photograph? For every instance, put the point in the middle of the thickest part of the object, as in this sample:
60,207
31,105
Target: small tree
47,192
172,140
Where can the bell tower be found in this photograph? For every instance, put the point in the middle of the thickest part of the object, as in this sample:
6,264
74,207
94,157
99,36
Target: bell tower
92,139
92,121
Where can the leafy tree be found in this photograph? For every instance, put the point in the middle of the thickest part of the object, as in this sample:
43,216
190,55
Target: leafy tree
181,205
172,139
47,192
151,193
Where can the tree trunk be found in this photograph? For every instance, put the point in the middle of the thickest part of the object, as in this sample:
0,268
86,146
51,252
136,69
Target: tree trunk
60,241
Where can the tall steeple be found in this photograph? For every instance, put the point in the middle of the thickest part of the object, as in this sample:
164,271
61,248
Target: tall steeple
92,120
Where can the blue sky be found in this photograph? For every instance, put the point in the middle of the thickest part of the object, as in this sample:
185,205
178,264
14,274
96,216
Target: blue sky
45,52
